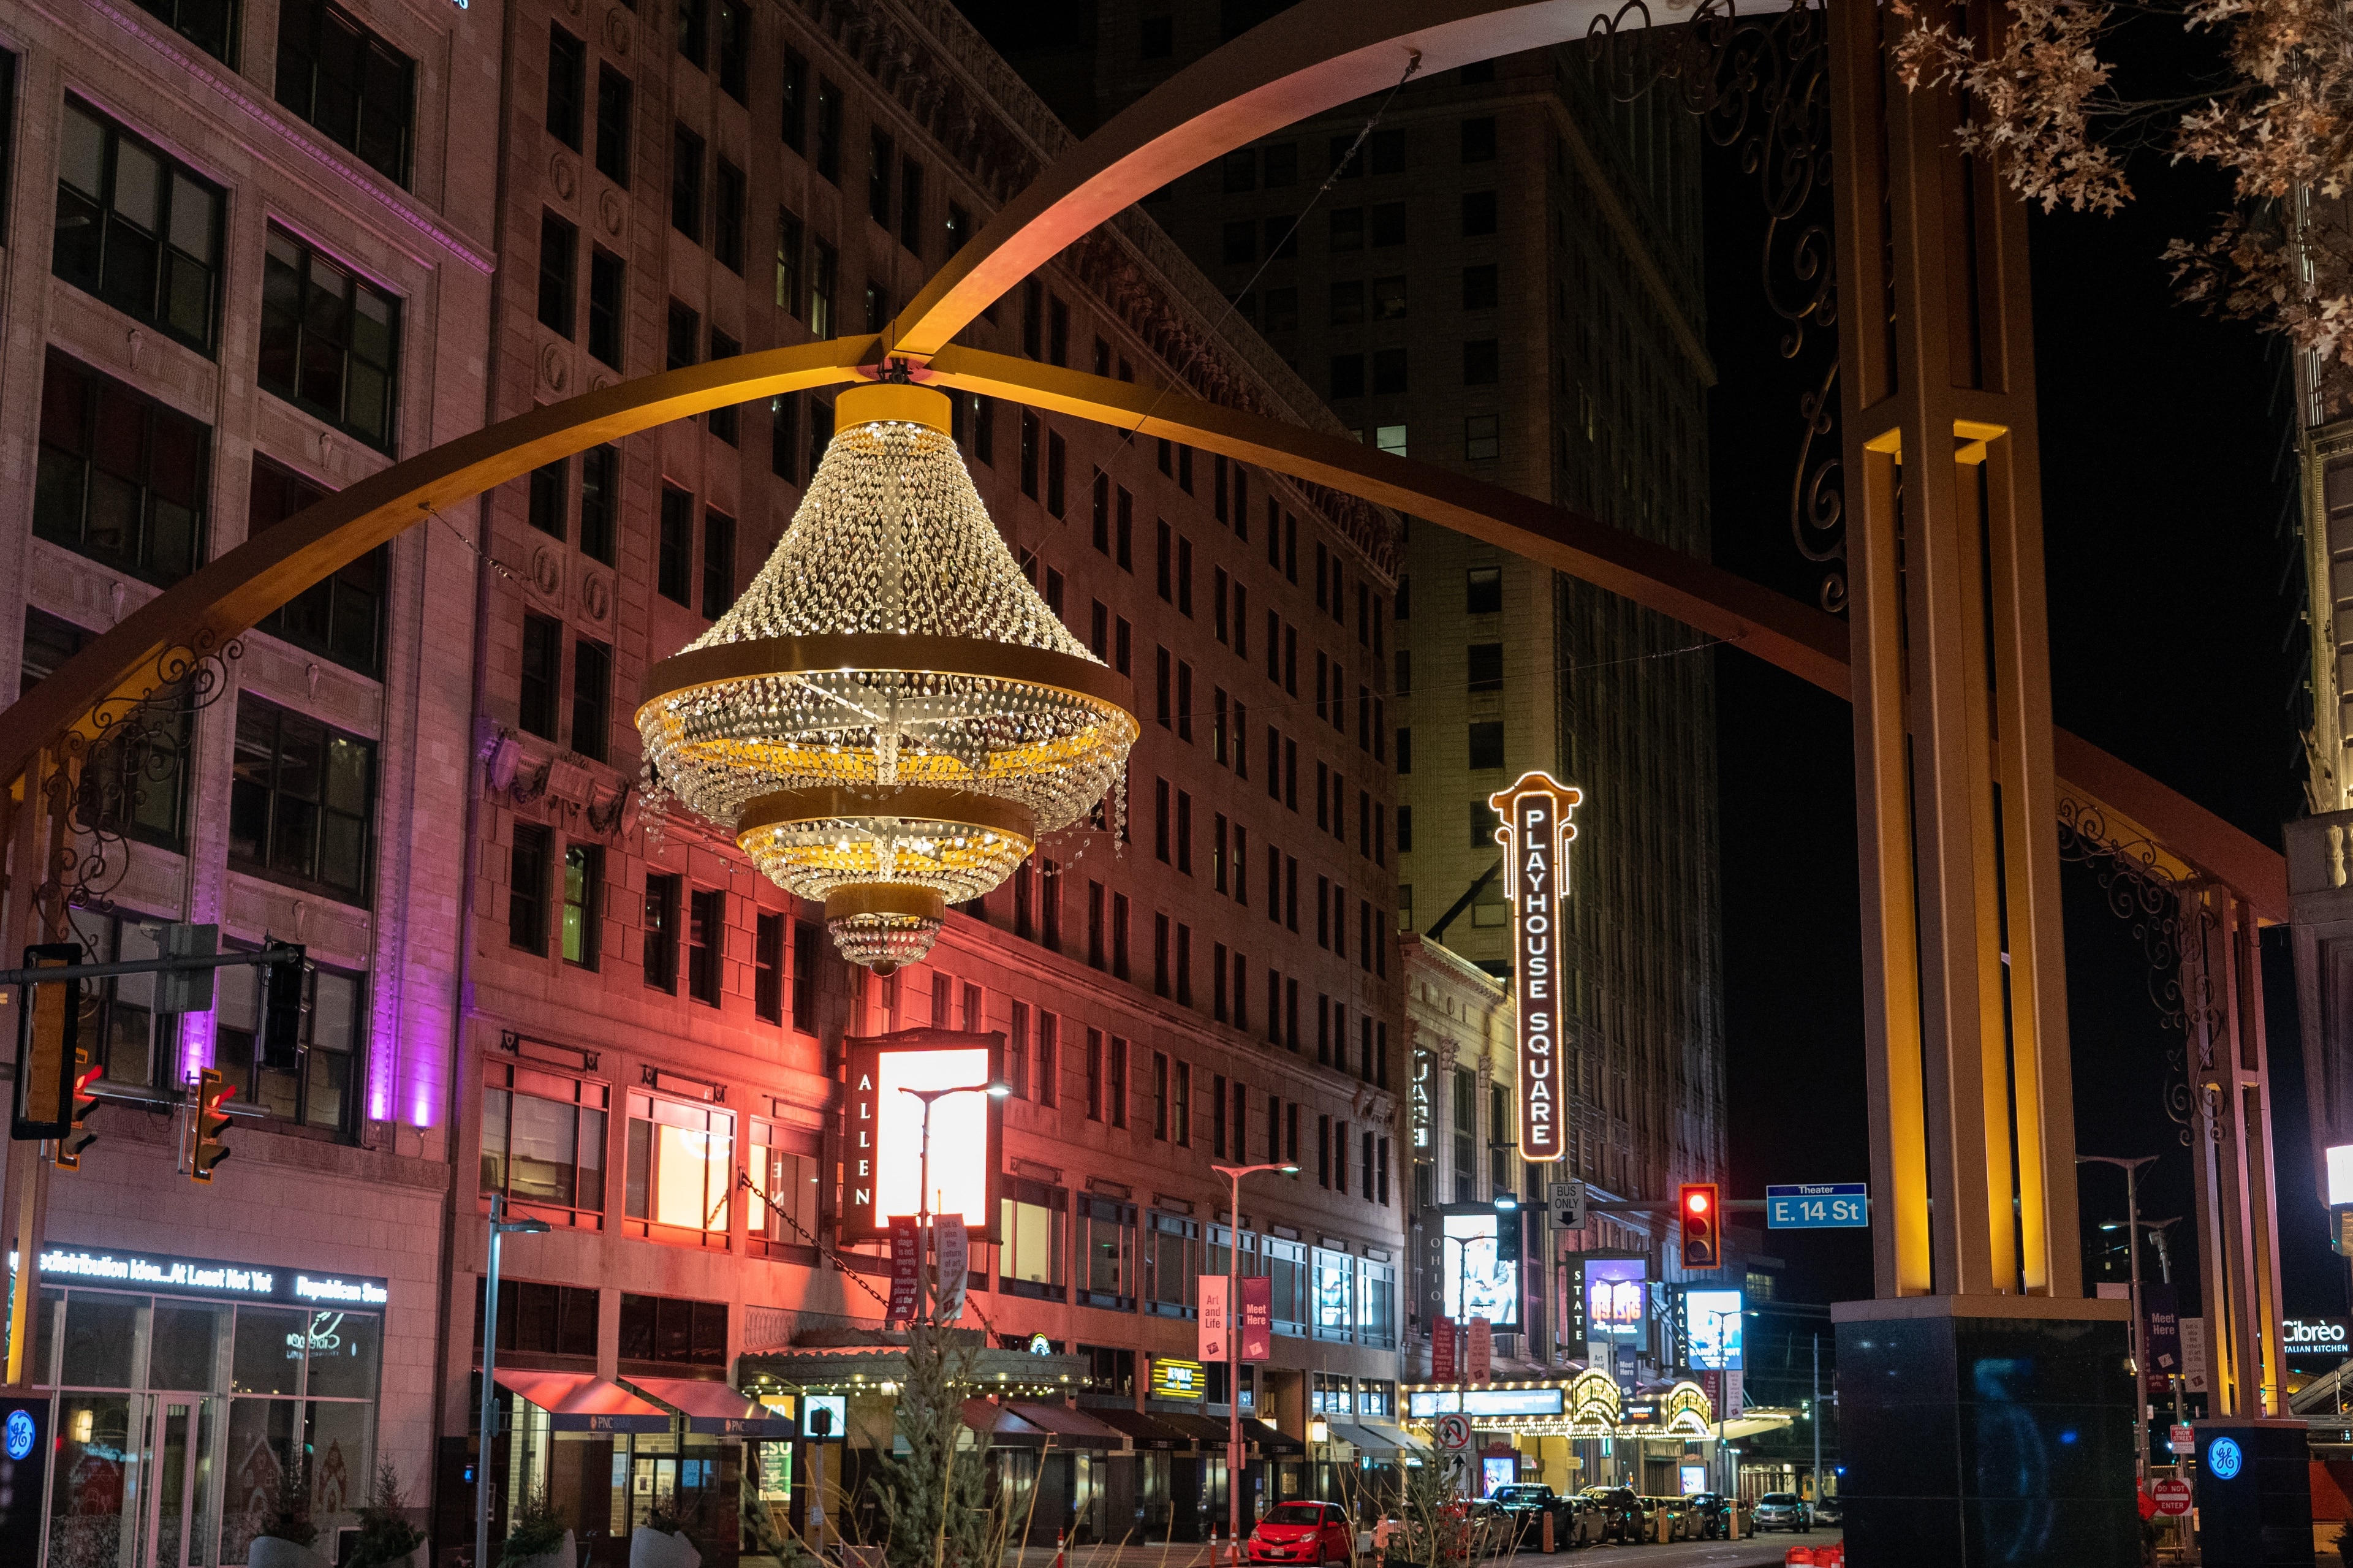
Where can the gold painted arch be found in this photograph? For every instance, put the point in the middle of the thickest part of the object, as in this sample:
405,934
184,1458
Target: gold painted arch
1316,56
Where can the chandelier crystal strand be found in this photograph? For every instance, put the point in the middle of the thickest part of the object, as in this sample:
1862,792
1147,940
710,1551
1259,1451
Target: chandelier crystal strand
891,716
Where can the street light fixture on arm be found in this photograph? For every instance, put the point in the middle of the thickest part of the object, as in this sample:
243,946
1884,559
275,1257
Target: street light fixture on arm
2131,1168
1232,1330
995,1088
500,1227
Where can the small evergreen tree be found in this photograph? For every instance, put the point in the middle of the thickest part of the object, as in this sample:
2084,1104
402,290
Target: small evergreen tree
289,1509
386,1534
934,1500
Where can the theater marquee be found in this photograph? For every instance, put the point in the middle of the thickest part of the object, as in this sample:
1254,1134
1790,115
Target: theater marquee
1535,832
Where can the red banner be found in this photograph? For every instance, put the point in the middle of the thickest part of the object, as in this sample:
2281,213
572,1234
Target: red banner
1482,1352
1441,1352
1258,1317
906,1268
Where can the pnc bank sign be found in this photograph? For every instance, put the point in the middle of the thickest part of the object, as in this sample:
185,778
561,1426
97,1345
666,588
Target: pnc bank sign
1535,832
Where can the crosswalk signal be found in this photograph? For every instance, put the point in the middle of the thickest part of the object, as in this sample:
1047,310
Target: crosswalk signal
208,1125
69,1148
1697,1203
48,1026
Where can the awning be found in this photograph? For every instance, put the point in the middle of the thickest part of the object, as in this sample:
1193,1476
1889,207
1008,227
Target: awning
1370,1444
1396,1438
1147,1429
575,1402
712,1407
1209,1432
1071,1428
1270,1440
1003,1427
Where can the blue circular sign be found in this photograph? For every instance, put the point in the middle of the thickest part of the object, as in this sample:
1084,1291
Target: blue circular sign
20,1434
2223,1458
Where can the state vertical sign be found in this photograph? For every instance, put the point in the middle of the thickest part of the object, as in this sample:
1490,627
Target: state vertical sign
1535,832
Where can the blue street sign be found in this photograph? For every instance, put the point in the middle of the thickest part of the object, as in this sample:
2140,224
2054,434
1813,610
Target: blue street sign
1819,1206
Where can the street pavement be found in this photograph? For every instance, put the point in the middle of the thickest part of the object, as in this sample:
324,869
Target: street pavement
1765,1552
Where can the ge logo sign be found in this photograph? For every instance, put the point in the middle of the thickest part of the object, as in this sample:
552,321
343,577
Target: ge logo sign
19,1434
2223,1459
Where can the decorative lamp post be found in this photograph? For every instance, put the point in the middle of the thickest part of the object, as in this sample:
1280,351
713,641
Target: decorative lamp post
996,1089
890,717
1234,1174
500,1227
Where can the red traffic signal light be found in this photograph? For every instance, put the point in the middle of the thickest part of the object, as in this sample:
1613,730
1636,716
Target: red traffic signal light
71,1147
1702,1236
207,1125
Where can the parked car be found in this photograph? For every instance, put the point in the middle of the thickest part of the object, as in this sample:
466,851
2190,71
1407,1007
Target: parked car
1525,1505
1713,1510
1782,1511
1623,1518
1304,1532
1682,1523
1827,1512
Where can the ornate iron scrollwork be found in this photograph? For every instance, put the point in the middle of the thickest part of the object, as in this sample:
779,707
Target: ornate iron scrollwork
135,745
1760,84
2159,909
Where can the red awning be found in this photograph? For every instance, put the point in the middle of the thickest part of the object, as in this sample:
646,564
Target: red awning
576,1402
1003,1427
1073,1429
711,1406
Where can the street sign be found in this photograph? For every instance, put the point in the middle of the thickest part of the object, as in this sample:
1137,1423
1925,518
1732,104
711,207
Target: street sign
2181,1439
1568,1205
2172,1496
1818,1205
1453,1433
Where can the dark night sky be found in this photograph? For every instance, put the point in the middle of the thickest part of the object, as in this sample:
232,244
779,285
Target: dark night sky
2166,467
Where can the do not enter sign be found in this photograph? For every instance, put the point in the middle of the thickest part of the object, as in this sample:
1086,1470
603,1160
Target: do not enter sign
2172,1496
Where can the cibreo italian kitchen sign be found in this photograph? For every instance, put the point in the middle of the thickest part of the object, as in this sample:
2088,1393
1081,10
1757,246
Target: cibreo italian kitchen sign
1535,832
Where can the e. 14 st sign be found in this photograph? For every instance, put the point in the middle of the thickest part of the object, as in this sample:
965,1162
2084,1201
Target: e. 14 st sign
1818,1206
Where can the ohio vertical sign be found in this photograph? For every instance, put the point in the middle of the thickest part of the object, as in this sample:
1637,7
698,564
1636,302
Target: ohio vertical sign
1535,832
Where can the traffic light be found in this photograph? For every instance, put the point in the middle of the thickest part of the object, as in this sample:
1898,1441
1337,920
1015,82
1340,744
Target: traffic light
1507,1237
285,998
208,1123
1697,1203
48,1024
69,1147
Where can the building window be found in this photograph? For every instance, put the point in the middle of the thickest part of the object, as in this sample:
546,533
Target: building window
661,931
559,249
614,103
137,230
676,544
540,676
727,219
1481,436
693,22
121,1026
680,1169
808,946
1486,745
300,801
339,618
527,888
584,902
329,342
794,124
606,275
768,967
1036,1222
706,943
543,1142
121,480
780,1209
567,86
673,1332
136,785
828,132
686,182
1107,1244
351,84
1484,591
734,47
718,564
317,1085
592,685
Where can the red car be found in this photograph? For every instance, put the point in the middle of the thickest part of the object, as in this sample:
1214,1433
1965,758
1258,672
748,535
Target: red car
1304,1532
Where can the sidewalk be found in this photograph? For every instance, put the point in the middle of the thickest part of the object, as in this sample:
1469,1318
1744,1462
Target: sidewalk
1765,1552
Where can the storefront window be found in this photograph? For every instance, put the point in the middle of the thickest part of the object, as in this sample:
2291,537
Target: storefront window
1375,1398
543,1142
1175,1261
1332,1394
1336,1278
682,1170
1036,1219
1287,1262
1107,1252
1376,1304
785,1170
673,1331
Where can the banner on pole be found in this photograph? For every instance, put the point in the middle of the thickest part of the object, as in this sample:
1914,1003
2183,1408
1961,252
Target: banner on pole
2161,1334
1211,1345
1256,1329
1482,1350
1441,1352
906,1268
954,1244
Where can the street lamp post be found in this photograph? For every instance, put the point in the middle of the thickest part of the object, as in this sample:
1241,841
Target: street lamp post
995,1088
1502,1203
2131,1168
501,1227
1232,1329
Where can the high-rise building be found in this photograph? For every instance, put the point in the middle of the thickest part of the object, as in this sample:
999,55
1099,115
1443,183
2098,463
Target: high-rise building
261,251
1503,276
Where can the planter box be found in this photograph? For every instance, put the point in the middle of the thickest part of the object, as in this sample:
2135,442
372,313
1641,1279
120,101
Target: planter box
652,1549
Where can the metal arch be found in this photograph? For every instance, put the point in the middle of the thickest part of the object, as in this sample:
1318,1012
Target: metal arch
1318,54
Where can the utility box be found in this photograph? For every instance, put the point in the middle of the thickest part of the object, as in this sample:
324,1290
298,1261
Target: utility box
2255,1494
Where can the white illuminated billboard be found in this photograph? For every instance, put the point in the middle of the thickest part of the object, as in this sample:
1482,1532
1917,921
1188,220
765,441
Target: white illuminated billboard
1712,1319
882,1141
1477,1286
2340,1174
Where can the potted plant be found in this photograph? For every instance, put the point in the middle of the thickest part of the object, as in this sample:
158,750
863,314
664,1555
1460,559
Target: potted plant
663,1541
286,1535
387,1538
538,1539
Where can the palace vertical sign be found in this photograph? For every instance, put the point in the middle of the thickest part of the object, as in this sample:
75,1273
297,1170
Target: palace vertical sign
1535,832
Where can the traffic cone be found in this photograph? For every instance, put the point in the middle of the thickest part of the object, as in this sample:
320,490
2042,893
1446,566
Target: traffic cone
1059,1555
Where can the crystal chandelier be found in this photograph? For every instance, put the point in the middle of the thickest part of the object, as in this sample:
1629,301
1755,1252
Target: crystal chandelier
890,717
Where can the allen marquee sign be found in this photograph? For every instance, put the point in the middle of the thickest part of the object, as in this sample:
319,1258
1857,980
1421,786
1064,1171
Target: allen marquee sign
1535,832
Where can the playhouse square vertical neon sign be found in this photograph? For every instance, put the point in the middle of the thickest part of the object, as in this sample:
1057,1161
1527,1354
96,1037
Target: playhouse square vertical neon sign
1535,832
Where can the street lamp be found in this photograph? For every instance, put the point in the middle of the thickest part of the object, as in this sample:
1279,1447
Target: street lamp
1232,1329
501,1227
995,1088
2131,1168
1503,1203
